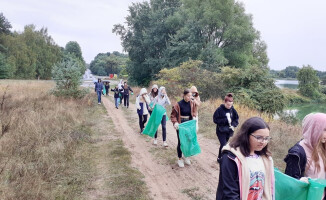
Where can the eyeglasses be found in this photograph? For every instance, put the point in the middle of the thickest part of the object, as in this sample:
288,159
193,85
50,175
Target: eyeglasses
262,138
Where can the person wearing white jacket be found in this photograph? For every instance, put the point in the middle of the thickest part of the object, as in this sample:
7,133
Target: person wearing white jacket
142,102
163,100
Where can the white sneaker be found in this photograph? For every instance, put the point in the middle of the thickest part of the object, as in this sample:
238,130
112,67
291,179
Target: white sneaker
155,142
165,144
187,161
99,103
180,163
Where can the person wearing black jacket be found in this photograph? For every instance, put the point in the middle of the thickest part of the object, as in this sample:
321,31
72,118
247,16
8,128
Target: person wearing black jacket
107,87
126,89
116,91
226,119
246,165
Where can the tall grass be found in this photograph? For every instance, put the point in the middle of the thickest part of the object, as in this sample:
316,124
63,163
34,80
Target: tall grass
40,142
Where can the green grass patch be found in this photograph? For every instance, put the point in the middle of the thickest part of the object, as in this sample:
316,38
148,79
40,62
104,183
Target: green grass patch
125,182
193,193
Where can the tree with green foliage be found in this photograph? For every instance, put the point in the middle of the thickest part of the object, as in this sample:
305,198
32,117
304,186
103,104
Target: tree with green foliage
74,49
253,88
164,34
31,54
67,76
291,71
4,67
191,73
5,25
108,63
308,82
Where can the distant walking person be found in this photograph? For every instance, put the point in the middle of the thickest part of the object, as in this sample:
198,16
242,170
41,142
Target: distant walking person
307,158
163,100
116,92
120,87
98,89
226,119
142,102
196,99
107,87
126,89
183,111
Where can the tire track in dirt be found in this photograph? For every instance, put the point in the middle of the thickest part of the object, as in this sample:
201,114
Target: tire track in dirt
163,180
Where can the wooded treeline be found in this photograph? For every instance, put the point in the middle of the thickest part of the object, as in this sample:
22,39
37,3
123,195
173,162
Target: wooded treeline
32,53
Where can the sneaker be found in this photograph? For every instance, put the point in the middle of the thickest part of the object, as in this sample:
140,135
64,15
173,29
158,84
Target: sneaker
165,144
99,103
187,161
155,141
180,163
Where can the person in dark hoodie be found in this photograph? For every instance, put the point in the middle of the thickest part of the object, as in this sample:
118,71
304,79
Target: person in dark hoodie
116,92
126,89
98,89
226,119
107,87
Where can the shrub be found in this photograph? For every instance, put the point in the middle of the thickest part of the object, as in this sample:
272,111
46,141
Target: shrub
68,79
308,82
209,84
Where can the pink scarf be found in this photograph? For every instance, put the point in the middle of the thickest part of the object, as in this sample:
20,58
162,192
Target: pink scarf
313,127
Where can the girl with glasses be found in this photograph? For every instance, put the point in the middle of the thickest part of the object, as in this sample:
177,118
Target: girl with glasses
246,167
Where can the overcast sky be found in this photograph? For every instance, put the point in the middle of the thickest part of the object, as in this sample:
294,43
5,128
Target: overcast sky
294,30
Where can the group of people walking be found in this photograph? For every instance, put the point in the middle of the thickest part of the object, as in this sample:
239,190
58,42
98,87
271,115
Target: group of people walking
246,164
182,111
121,92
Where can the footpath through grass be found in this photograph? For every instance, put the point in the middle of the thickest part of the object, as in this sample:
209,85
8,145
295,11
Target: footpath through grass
55,148
114,177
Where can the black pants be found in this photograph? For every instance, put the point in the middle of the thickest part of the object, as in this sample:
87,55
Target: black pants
163,123
126,100
223,138
142,121
179,144
107,90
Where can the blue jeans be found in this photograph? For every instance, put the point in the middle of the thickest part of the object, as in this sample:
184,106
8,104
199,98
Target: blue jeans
117,102
99,93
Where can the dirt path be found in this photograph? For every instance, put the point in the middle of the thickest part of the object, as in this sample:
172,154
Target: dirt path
166,180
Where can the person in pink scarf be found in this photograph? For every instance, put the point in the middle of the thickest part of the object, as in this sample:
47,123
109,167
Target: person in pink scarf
307,158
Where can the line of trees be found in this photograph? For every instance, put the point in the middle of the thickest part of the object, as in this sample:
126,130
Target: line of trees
109,63
32,53
292,71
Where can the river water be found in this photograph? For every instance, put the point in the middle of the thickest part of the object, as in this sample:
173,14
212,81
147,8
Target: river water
299,110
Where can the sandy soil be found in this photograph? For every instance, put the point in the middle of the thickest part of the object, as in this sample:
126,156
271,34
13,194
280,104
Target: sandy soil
167,181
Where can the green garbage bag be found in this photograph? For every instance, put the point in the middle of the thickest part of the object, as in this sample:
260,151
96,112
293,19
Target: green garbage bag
154,120
104,91
289,188
188,138
151,105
